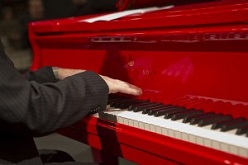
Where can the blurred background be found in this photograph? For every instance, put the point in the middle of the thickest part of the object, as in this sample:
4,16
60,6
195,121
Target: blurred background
16,14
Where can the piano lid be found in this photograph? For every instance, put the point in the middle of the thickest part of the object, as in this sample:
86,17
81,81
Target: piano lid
209,13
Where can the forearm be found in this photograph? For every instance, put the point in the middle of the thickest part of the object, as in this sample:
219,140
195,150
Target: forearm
38,109
66,102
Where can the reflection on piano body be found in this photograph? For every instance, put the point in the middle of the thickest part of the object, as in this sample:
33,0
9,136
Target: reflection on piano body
191,62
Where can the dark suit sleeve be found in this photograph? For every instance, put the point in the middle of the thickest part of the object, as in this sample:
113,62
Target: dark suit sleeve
29,107
42,75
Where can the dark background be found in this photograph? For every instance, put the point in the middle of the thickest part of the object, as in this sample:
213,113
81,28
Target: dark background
16,14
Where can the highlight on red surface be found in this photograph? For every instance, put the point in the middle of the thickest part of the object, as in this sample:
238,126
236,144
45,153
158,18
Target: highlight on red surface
134,4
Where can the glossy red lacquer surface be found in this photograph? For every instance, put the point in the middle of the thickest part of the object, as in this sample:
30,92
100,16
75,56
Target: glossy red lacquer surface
196,52
208,14
133,4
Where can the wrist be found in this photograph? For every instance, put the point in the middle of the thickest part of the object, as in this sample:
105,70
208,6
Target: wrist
56,72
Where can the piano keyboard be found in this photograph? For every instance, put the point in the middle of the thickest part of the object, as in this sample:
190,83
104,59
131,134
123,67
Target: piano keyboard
214,130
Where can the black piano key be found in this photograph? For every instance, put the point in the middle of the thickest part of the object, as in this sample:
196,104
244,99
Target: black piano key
147,110
119,104
124,105
234,125
142,108
134,102
150,111
242,130
112,97
111,100
185,114
190,117
115,103
155,110
132,107
195,120
129,102
162,112
170,113
213,119
221,123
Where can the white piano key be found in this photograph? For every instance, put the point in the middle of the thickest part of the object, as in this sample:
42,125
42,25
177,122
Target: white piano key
126,121
199,140
141,125
152,128
224,147
171,133
233,149
147,127
207,142
192,138
164,131
233,131
178,135
192,130
185,137
130,123
120,120
216,145
224,141
158,129
135,123
243,152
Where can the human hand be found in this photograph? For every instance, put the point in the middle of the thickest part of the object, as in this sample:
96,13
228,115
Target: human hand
116,85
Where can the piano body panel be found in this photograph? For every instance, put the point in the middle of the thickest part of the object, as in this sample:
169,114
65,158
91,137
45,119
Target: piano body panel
185,56
143,58
145,147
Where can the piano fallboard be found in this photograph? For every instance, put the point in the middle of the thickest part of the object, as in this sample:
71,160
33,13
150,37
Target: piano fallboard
191,56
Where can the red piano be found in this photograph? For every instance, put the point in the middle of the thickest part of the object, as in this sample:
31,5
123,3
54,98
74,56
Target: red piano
191,62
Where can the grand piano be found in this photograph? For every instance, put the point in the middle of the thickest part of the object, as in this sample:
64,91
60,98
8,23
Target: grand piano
191,62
